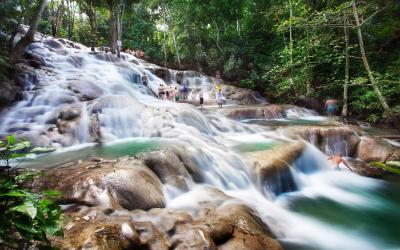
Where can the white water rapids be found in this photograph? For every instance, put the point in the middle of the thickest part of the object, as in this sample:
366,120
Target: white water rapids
111,102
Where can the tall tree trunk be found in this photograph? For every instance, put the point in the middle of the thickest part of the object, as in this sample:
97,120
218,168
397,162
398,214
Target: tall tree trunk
165,49
71,18
18,51
366,64
291,48
59,18
120,16
308,83
113,29
93,26
176,48
218,36
165,34
345,110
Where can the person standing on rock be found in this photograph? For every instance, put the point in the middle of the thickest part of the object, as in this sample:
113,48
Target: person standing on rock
331,106
185,90
336,159
145,80
161,91
220,99
177,94
172,93
193,95
201,98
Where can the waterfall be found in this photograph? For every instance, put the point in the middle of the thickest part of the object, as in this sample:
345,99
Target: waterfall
82,97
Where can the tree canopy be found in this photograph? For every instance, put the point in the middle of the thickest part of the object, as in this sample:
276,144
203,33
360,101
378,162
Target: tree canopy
287,50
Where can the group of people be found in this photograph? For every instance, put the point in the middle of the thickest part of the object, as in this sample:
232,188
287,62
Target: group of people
182,93
177,94
138,53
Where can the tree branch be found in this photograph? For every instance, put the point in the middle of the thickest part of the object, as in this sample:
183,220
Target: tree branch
371,16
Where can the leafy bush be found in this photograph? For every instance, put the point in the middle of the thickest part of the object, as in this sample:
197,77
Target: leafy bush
26,217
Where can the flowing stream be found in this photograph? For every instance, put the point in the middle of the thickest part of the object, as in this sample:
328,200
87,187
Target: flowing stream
78,98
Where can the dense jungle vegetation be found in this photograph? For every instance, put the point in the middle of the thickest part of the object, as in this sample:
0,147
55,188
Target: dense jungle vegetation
288,50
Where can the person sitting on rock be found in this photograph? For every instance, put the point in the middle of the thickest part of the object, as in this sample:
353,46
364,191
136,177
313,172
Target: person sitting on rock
336,159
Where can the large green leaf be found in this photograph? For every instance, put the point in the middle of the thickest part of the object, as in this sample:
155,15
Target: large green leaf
21,145
14,193
27,208
10,139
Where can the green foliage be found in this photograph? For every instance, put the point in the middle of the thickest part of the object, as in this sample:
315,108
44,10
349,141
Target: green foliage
26,217
249,42
392,167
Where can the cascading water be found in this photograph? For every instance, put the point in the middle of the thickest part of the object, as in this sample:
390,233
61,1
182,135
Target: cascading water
81,97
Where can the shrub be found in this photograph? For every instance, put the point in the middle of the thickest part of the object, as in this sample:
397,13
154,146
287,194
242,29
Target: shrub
26,217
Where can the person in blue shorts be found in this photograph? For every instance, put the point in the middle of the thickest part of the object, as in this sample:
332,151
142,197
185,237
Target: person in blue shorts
331,106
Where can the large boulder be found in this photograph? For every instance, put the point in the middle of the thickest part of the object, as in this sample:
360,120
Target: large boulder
235,226
374,149
241,96
168,167
124,184
86,90
70,112
96,236
272,166
226,226
363,168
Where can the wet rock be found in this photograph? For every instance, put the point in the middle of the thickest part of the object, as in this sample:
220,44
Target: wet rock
34,60
363,168
53,43
272,166
86,89
329,139
150,237
19,127
35,138
241,96
108,57
256,112
192,238
236,227
162,73
76,61
125,184
95,235
70,112
220,226
168,167
8,92
24,75
117,102
374,149
189,162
